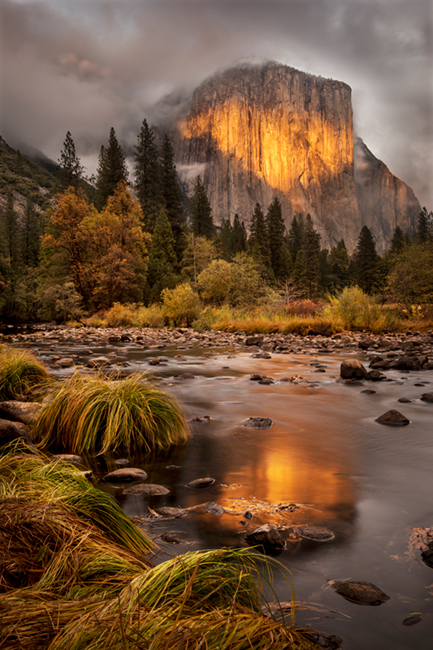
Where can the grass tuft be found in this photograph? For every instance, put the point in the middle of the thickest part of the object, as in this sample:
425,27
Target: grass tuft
91,414
20,372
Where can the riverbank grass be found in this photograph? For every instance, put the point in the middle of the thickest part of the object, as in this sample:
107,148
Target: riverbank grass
92,414
20,372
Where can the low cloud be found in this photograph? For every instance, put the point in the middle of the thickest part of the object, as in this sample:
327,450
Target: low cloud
85,67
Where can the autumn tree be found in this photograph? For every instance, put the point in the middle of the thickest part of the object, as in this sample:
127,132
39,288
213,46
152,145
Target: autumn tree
148,177
201,212
172,195
111,170
198,254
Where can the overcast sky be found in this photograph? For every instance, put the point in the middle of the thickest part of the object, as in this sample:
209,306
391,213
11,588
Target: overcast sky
87,65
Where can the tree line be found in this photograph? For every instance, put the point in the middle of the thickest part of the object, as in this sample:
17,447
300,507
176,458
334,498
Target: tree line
124,239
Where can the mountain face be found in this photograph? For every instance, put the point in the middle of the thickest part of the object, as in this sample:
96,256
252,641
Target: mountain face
254,132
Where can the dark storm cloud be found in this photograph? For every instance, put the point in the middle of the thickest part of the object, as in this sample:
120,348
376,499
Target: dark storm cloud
83,67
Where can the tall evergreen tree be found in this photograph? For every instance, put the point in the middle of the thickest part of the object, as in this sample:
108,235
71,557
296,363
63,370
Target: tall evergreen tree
312,257
162,259
397,242
71,169
425,226
339,266
239,236
258,242
225,239
31,236
148,182
111,170
366,260
172,196
201,212
11,232
295,237
280,261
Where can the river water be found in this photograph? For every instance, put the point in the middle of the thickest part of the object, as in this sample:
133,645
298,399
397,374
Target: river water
369,484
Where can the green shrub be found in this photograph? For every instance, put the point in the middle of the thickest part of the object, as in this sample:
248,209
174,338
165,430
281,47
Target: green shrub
181,305
20,372
92,414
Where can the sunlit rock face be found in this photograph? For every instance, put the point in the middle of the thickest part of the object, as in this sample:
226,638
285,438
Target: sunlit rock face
258,131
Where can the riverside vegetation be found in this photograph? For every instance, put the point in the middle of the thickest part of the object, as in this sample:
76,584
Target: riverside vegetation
142,249
75,570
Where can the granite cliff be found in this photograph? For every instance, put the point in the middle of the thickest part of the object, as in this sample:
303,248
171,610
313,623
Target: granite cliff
258,131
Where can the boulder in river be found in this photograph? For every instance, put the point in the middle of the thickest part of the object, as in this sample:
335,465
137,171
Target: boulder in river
254,340
147,489
315,533
268,537
427,397
362,593
352,369
12,431
375,375
200,483
19,411
258,423
393,418
213,508
126,474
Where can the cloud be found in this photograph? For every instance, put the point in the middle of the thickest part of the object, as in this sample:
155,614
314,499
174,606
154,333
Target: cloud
85,67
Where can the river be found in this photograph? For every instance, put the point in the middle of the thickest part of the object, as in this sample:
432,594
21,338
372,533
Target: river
324,453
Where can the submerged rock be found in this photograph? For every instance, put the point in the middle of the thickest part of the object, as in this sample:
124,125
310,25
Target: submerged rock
393,418
362,593
200,483
70,458
315,533
167,511
412,620
268,537
213,508
427,397
126,474
258,423
352,369
148,489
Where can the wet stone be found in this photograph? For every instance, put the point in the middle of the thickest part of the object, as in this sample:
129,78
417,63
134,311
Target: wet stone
369,391
261,355
314,533
200,483
427,397
267,381
213,508
352,369
267,537
12,431
173,538
98,362
126,474
404,400
167,511
362,593
427,555
70,458
256,377
258,423
147,489
66,362
186,375
412,620
393,418
121,462
19,411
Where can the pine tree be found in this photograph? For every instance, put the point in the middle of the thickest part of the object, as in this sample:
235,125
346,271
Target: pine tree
425,226
201,212
148,183
258,242
11,232
366,260
397,242
71,169
339,266
239,236
312,257
225,239
171,192
280,261
31,236
162,259
295,237
111,170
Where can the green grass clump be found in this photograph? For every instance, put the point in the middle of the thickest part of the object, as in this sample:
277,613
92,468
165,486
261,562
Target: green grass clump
20,372
31,476
91,414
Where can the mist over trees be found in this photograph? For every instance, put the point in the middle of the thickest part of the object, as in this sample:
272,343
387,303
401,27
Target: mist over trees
136,240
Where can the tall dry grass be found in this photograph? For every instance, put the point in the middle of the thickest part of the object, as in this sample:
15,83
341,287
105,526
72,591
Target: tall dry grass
92,414
20,372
